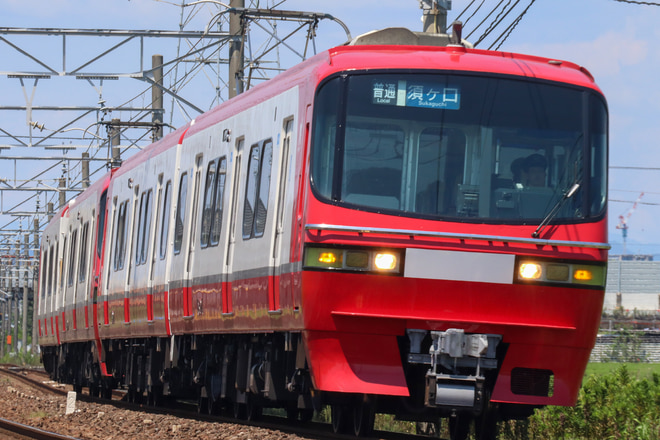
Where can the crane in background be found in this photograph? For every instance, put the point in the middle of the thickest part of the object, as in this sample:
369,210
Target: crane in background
623,221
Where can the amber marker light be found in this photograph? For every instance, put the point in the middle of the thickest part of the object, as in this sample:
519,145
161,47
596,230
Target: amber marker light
385,261
583,275
327,257
530,271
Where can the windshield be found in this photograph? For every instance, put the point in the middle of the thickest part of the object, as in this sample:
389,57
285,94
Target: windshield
465,147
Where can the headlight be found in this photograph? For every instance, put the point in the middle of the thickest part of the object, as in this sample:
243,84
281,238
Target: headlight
531,270
353,259
385,261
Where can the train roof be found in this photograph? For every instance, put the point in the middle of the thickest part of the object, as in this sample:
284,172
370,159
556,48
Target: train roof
457,59
392,48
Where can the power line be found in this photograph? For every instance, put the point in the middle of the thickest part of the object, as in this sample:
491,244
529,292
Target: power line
632,2
635,168
632,191
511,27
473,14
629,201
496,22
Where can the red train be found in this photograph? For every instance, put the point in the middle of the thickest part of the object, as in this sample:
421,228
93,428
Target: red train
396,228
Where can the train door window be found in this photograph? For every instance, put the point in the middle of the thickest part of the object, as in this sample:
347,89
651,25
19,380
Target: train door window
195,207
257,188
57,270
157,207
180,213
143,226
111,245
234,203
216,222
120,238
61,268
209,197
50,271
139,230
101,223
135,224
82,270
72,257
165,223
43,285
146,227
286,145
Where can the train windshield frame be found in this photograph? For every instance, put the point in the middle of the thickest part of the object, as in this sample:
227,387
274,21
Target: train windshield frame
460,147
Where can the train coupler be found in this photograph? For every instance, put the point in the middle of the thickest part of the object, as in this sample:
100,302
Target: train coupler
458,363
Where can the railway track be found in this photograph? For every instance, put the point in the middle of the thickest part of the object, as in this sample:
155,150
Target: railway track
16,430
186,412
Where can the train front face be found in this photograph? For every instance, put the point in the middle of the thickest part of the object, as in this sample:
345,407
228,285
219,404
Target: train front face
455,244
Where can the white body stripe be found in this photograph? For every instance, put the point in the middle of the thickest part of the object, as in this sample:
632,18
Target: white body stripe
459,266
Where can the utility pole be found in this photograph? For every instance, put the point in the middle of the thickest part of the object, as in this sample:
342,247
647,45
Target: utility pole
3,306
157,97
115,138
435,15
35,290
62,192
85,170
24,276
15,286
235,76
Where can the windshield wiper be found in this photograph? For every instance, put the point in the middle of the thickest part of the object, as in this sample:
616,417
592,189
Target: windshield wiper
555,209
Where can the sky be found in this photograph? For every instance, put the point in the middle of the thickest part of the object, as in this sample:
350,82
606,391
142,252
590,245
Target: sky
616,41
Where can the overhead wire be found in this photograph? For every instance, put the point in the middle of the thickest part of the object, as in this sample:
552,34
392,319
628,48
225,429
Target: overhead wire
511,27
487,17
498,20
465,10
633,2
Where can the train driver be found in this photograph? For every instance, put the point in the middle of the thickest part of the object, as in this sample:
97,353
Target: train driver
534,171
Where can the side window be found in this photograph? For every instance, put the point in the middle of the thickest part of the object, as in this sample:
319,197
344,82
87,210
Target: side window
82,270
165,223
143,227
120,238
257,188
213,199
180,213
209,197
72,258
216,222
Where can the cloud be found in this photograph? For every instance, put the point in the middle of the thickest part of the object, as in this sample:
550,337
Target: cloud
604,56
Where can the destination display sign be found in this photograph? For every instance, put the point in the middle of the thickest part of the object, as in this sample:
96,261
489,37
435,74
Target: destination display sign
416,94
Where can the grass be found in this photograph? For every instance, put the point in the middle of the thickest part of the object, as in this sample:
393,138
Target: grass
637,370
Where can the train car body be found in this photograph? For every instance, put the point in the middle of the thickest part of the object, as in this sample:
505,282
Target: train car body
355,232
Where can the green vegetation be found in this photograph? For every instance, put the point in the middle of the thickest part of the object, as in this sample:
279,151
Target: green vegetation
38,415
638,371
21,359
617,405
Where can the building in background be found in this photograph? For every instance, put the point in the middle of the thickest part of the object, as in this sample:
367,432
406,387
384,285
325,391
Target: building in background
633,285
